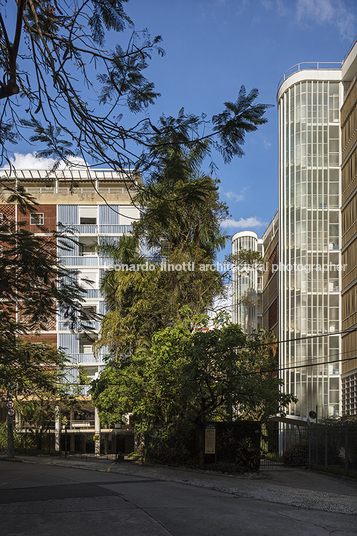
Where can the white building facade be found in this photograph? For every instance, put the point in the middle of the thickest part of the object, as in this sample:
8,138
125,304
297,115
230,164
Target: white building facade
309,102
247,284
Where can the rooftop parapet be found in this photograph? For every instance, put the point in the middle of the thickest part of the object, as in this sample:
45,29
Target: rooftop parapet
310,65
73,174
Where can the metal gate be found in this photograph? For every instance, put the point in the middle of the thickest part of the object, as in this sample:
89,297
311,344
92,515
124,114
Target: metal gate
284,442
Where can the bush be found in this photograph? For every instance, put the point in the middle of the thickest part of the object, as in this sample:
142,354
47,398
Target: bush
296,454
3,437
247,454
18,439
172,448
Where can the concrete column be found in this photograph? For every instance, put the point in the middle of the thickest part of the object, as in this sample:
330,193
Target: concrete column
83,442
97,431
57,429
17,419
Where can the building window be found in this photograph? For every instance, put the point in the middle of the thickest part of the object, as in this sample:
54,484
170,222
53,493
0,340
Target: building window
128,215
36,218
88,280
86,344
88,312
88,246
88,215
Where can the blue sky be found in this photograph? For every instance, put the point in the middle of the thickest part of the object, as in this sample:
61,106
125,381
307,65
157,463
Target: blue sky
213,47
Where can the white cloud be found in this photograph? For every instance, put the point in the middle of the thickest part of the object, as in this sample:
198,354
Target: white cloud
240,8
267,144
29,161
327,11
332,12
320,10
243,223
279,5
235,197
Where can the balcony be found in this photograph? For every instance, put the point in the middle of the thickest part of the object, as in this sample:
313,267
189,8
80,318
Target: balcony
86,358
91,325
100,229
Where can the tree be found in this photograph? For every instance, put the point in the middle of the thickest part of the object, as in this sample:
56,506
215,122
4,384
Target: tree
40,408
188,376
146,301
181,206
55,61
180,230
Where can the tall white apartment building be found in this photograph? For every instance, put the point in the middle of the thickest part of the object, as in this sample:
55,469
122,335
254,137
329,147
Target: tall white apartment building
309,102
247,284
316,246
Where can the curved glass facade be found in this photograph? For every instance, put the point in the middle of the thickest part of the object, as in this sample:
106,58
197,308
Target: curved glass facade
247,284
309,250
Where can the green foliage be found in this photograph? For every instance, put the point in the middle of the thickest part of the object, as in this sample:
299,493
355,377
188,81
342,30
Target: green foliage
174,447
180,224
245,258
143,302
296,454
237,119
181,203
18,438
186,377
30,367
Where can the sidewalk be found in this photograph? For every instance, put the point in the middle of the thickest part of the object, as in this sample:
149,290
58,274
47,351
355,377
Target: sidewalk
291,486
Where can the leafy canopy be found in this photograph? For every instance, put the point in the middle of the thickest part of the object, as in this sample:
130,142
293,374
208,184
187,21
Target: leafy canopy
178,232
188,376
66,91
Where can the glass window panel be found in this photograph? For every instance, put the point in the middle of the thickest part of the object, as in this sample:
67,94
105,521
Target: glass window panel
334,201
334,159
333,88
334,146
334,132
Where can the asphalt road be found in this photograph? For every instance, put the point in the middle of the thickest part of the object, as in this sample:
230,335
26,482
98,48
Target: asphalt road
43,500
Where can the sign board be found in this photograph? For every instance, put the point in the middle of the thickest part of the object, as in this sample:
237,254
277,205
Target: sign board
96,437
210,439
80,424
10,412
9,404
